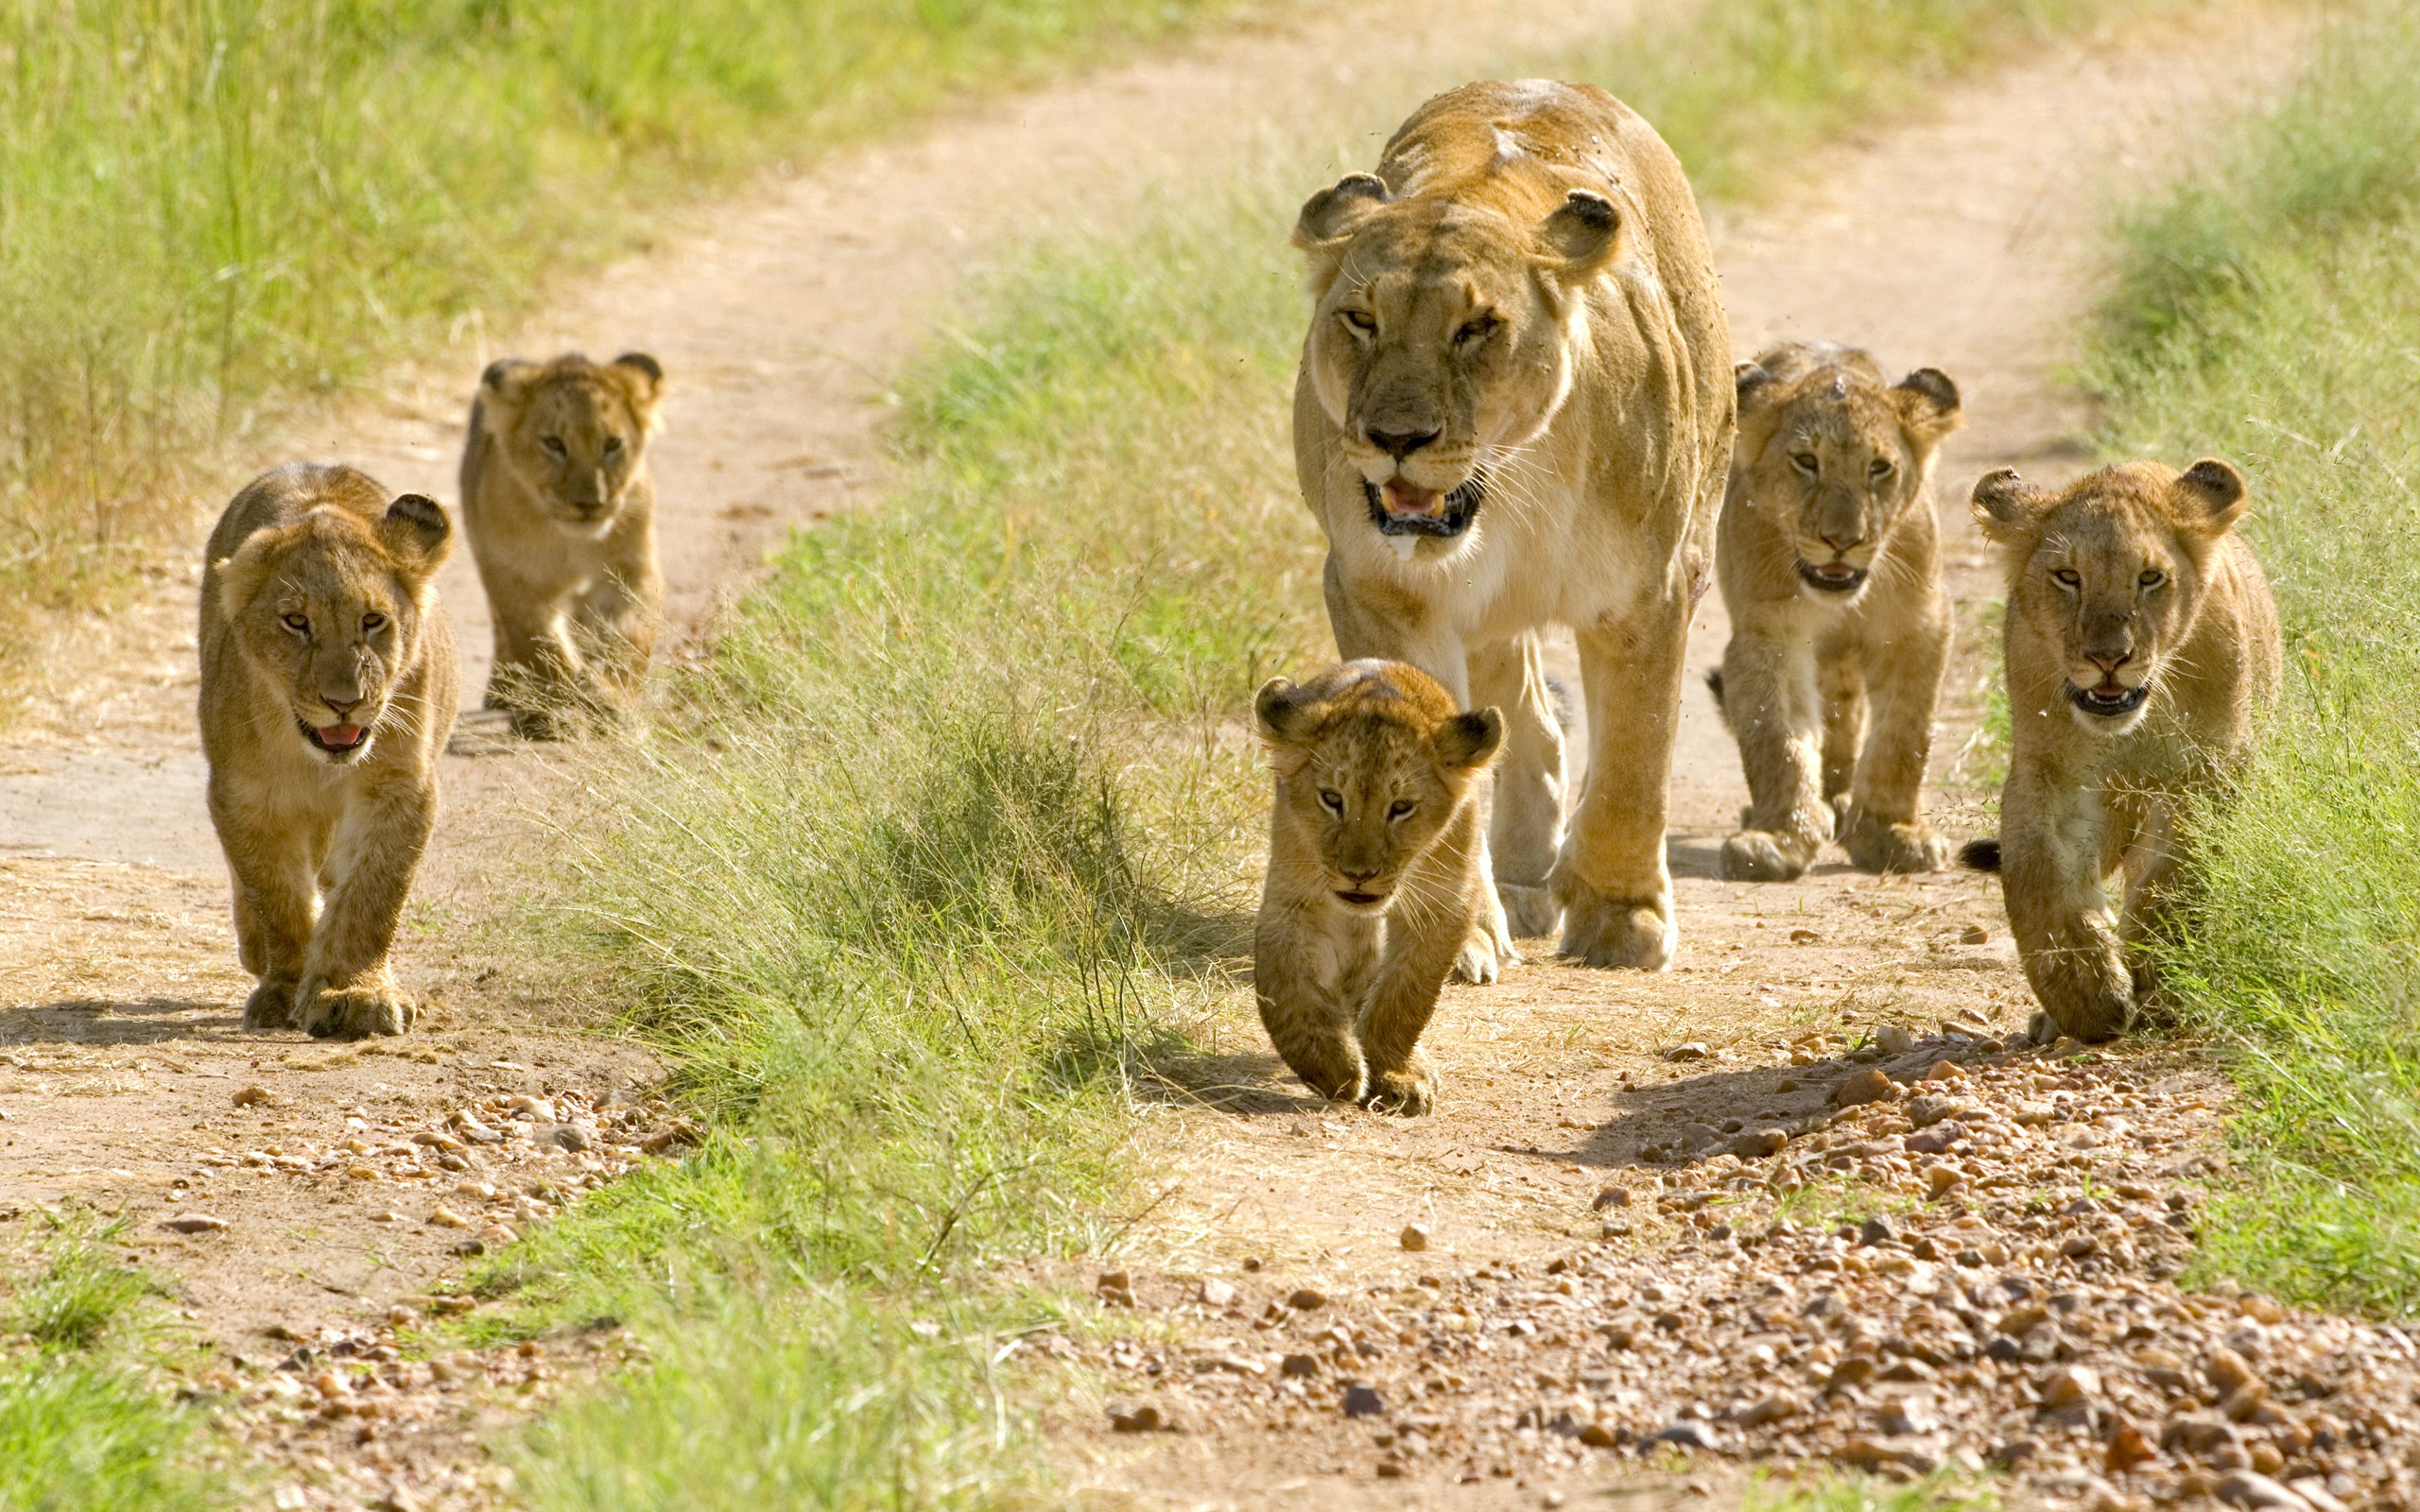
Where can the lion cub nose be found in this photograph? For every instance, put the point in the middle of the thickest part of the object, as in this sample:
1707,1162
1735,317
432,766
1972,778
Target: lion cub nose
1400,444
341,706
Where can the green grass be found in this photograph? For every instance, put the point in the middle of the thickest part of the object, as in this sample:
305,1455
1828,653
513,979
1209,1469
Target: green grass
211,210
2267,315
952,845
83,1426
1831,1492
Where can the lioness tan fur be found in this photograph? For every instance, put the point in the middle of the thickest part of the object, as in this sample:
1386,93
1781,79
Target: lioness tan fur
328,689
561,512
1830,562
1514,411
2142,642
1376,873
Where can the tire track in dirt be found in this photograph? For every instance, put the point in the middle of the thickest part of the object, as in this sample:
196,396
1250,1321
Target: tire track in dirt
1965,239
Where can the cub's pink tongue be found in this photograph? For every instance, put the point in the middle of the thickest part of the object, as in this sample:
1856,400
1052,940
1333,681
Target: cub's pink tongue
341,735
1405,499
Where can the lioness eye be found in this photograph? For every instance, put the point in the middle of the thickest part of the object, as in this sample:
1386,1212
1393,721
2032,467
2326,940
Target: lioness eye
1479,329
2066,576
373,622
1804,461
1333,802
299,623
554,444
2153,578
1878,468
1358,322
1398,808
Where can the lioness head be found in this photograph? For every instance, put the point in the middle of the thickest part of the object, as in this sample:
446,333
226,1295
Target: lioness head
574,430
1442,338
1372,759
2110,573
329,609
1833,458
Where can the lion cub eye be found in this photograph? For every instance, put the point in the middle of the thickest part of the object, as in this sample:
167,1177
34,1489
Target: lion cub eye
374,622
554,444
613,445
299,623
1358,322
1400,807
2151,577
2066,577
1806,462
1878,468
1333,802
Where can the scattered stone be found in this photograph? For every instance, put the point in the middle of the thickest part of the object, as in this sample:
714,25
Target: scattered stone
1144,1419
1305,1299
1940,1179
1974,935
1686,1433
1894,1039
1610,1197
1767,1410
2073,1384
1867,1086
1362,1401
1693,1050
195,1223
1937,1139
1215,1293
566,1136
1299,1366
2249,1489
447,1218
1414,1237
1876,1230
1759,1143
248,1096
2127,1449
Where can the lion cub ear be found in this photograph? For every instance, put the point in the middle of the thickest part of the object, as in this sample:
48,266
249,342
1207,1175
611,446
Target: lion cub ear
1581,236
1927,405
1279,707
1467,741
415,531
2006,506
643,377
2211,495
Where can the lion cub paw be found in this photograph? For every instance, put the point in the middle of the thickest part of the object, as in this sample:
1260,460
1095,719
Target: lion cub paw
1409,1092
1621,933
1480,961
353,1012
1765,856
271,1006
1874,844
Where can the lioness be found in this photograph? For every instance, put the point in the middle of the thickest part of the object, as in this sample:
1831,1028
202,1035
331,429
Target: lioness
1830,564
328,689
1376,873
1515,409
2141,640
560,513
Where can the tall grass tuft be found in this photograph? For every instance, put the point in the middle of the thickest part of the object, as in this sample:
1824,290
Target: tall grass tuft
956,837
2266,316
208,211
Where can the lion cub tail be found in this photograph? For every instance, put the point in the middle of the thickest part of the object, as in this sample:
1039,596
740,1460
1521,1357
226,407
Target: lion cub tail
1981,853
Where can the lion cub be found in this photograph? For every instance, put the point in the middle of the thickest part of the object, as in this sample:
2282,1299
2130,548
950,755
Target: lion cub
2141,640
1830,564
560,513
328,689
1375,872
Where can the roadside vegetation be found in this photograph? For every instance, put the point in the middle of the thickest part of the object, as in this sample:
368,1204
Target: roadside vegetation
82,1424
2267,315
210,212
951,846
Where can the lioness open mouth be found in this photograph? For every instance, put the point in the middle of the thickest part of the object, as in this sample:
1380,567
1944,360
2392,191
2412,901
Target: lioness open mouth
1361,900
337,740
1832,577
2109,700
1401,509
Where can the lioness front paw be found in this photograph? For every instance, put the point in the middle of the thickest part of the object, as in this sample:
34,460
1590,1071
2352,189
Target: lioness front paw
1637,932
271,1006
1408,1091
1875,845
353,1012
1765,856
1529,911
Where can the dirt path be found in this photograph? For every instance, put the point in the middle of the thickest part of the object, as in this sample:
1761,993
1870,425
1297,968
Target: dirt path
779,319
1962,240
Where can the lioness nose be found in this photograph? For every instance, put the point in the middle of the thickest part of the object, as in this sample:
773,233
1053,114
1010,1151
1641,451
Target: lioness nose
2108,658
1400,444
1840,537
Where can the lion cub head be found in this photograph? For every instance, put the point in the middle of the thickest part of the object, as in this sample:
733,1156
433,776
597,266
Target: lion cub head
1833,457
1442,338
1372,761
331,609
2109,574
574,431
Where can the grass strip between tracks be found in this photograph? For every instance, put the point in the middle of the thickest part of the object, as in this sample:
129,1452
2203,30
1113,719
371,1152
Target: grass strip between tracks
2265,315
955,838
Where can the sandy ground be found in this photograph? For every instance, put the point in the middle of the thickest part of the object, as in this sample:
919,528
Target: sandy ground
1960,239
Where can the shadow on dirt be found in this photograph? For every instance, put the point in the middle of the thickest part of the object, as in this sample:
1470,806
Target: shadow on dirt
104,1022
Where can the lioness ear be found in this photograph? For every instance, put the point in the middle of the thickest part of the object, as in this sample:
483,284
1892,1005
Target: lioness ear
1927,405
2212,494
1581,236
2006,506
415,529
1470,740
1334,213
